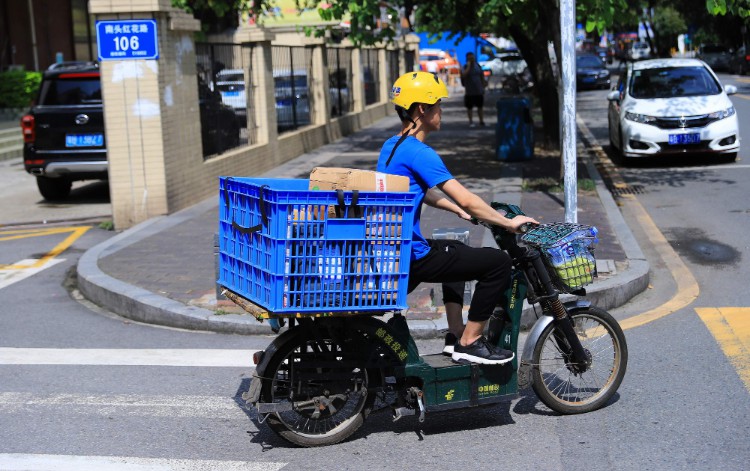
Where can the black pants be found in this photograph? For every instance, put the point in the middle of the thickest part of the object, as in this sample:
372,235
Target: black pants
453,263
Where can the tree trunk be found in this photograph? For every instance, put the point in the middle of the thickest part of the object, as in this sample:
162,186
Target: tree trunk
533,47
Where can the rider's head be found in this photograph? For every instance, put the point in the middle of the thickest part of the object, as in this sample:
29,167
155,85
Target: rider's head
413,89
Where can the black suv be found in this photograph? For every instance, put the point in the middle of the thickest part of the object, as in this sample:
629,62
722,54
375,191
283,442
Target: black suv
64,139
64,131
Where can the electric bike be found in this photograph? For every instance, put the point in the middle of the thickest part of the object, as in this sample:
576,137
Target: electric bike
316,383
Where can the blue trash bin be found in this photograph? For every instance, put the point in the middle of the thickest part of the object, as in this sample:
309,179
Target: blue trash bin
514,131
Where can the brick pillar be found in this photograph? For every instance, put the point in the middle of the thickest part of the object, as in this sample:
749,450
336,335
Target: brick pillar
151,114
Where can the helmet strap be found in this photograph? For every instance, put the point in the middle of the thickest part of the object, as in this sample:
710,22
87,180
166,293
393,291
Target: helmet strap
400,140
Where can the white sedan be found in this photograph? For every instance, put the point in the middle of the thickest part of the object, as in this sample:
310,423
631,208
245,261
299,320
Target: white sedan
505,64
672,106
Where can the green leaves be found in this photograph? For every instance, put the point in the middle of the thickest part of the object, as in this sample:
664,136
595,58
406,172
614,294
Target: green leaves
18,88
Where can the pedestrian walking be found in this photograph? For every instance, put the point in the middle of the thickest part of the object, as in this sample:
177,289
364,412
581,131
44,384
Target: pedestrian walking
472,78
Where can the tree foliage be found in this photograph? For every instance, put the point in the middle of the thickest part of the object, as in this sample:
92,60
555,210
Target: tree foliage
532,24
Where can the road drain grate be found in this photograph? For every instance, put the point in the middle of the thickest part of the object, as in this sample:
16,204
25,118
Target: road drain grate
627,190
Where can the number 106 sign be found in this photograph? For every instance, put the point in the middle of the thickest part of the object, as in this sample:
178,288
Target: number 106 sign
127,39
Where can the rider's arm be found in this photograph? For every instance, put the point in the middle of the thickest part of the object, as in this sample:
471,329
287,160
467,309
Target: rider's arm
478,208
437,200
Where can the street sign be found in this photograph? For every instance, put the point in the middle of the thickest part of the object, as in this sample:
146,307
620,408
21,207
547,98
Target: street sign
127,39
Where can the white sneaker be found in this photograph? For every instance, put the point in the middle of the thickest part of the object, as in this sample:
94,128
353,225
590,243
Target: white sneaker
450,343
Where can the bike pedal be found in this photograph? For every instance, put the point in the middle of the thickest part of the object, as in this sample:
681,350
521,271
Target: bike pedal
462,361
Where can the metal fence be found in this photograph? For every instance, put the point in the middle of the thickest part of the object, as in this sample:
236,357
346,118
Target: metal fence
393,74
292,66
340,80
371,75
410,58
224,90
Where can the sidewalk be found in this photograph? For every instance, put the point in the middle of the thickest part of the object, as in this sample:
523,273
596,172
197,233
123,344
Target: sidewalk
163,270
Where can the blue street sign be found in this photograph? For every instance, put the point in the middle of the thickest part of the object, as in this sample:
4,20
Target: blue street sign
127,39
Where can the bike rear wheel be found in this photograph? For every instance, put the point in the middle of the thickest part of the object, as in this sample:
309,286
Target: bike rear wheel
568,388
323,385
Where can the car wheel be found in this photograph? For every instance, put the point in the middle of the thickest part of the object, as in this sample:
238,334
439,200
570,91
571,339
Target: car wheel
619,153
53,189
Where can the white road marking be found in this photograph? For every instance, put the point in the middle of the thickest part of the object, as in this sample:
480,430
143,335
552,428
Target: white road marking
127,357
8,276
33,462
129,405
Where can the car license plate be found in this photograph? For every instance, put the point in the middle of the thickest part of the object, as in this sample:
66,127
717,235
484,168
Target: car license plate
84,140
230,94
693,138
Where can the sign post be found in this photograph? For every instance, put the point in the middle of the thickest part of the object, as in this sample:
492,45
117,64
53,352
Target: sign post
127,39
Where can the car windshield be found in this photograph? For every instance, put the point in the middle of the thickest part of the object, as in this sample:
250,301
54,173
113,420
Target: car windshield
429,58
588,61
230,77
73,91
673,82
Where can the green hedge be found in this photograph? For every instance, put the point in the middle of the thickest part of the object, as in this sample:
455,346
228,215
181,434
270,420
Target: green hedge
18,88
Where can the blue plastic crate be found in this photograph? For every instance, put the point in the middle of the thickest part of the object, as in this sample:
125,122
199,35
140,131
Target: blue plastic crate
304,257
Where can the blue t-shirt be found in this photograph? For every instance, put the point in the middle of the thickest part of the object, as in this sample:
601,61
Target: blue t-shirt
425,169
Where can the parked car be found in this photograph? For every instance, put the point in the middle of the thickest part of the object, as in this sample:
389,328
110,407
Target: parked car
220,126
231,84
63,132
436,60
717,57
590,47
505,64
672,106
591,72
639,51
64,136
292,99
739,63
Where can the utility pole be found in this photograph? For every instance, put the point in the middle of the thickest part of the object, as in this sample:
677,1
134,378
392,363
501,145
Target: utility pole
568,107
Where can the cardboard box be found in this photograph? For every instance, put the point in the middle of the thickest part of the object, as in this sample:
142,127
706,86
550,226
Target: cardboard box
335,178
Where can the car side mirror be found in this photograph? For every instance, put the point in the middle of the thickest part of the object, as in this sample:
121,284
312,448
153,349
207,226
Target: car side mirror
730,89
614,95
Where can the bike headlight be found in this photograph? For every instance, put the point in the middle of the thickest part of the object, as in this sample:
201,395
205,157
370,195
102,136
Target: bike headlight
723,113
639,118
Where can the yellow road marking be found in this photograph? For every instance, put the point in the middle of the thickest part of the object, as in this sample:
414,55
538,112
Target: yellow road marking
687,286
746,97
740,79
76,232
730,326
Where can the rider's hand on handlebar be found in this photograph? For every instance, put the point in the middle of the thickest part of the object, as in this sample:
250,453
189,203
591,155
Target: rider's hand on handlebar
521,224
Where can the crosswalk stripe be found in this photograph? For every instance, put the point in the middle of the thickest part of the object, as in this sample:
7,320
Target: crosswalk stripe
37,462
127,357
137,405
23,269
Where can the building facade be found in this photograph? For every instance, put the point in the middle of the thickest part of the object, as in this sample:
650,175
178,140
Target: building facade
37,33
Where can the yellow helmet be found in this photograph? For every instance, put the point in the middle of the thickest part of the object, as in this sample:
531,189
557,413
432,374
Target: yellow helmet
418,87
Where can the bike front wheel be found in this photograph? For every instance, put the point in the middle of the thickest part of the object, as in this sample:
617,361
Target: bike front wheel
568,388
